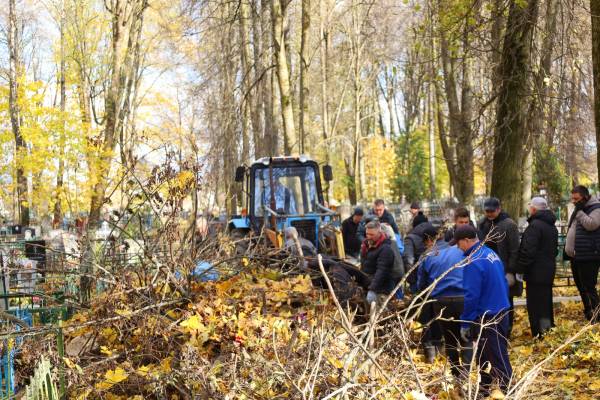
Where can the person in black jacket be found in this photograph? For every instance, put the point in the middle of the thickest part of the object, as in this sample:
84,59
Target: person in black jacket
383,215
504,241
350,232
537,262
379,213
413,248
377,261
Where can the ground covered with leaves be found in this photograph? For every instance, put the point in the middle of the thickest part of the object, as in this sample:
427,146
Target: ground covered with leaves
265,334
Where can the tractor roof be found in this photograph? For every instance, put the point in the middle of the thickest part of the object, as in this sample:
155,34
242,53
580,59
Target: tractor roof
282,159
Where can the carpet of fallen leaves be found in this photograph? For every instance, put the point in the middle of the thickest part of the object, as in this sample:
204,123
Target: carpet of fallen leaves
574,373
263,334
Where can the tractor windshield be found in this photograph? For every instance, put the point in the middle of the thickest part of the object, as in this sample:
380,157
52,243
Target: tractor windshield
294,190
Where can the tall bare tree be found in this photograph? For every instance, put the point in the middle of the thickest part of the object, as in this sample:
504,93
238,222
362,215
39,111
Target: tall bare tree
127,17
63,108
304,61
15,73
279,12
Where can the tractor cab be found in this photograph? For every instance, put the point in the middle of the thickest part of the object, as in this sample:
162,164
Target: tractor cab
280,192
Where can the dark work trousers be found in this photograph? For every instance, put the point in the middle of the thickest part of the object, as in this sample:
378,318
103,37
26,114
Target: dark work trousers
432,331
586,272
492,348
451,309
511,315
540,308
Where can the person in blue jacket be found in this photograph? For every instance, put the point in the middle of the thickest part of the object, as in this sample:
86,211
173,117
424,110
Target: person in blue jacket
442,268
485,313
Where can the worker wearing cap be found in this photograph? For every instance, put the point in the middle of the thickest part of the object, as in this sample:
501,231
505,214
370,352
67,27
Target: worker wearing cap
442,269
501,234
537,262
485,312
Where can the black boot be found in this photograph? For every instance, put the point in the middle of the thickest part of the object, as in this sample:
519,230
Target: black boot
429,350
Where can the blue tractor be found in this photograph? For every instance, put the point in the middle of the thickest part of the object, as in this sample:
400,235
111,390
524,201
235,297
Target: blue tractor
281,192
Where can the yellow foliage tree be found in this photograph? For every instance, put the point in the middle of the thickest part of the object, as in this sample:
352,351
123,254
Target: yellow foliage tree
379,158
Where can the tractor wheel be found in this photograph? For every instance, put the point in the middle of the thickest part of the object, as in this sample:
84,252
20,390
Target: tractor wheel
241,240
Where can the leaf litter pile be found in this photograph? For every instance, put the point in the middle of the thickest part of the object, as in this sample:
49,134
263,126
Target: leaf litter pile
267,333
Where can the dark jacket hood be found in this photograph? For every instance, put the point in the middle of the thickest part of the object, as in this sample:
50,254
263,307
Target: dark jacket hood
546,216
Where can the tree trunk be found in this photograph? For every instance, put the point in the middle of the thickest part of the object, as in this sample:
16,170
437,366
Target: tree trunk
431,134
511,122
304,73
445,141
527,178
459,114
247,76
15,70
324,61
278,9
271,134
539,101
350,185
126,25
260,79
573,127
595,15
57,217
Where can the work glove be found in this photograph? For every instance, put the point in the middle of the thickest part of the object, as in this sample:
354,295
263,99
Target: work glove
465,334
371,297
519,277
579,206
510,278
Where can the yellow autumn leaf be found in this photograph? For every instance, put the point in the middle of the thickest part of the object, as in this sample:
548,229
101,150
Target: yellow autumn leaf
106,350
525,350
123,313
193,324
335,362
71,365
109,334
84,395
304,285
497,395
595,386
144,370
165,365
278,296
111,378
224,286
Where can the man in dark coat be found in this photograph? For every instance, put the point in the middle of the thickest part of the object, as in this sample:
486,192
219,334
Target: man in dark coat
413,248
537,262
583,248
350,232
381,214
504,241
377,261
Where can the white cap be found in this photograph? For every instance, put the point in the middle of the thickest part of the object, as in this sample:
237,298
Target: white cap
539,203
